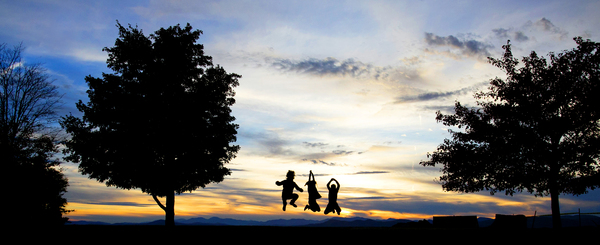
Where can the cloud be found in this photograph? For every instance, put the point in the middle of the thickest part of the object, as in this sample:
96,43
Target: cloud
467,47
344,68
547,26
321,162
312,145
342,152
132,204
428,96
353,173
542,25
323,157
269,141
322,67
372,172
510,34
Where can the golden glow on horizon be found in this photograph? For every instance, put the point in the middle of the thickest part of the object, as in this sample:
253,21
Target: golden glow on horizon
82,210
189,208
381,214
249,194
231,201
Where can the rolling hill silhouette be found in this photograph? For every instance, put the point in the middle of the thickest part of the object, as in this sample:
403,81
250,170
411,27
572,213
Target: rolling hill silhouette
539,222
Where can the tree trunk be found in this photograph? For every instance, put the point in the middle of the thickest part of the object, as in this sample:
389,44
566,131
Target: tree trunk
169,208
554,181
556,222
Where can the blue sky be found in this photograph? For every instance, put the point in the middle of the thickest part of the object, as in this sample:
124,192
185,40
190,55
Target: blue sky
347,89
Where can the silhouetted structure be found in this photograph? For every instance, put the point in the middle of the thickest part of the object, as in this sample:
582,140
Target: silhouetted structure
313,194
288,189
455,222
333,206
510,221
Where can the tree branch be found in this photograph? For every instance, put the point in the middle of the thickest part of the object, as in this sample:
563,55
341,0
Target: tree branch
159,203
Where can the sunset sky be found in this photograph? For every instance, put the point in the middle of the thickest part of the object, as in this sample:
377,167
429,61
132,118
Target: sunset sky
347,89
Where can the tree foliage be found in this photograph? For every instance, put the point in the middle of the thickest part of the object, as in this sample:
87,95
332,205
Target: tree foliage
28,104
535,131
161,122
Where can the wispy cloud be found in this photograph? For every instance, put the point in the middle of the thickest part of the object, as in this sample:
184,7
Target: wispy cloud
318,161
312,145
527,31
546,25
351,173
323,67
269,143
132,204
344,68
428,96
373,172
342,152
511,34
466,46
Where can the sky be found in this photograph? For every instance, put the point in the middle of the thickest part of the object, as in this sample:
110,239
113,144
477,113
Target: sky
347,89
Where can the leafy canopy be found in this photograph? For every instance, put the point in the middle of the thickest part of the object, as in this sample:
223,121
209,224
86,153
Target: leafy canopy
162,121
536,131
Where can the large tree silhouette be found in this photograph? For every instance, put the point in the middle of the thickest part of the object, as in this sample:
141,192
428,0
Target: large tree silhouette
161,122
535,131
28,104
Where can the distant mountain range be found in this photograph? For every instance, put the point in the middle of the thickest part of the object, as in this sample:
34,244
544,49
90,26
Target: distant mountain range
290,222
539,222
215,221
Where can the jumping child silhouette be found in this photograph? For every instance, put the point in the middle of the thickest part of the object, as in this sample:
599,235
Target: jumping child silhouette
313,194
288,189
333,206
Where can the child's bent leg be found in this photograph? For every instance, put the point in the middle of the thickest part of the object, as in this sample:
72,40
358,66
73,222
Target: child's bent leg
294,198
